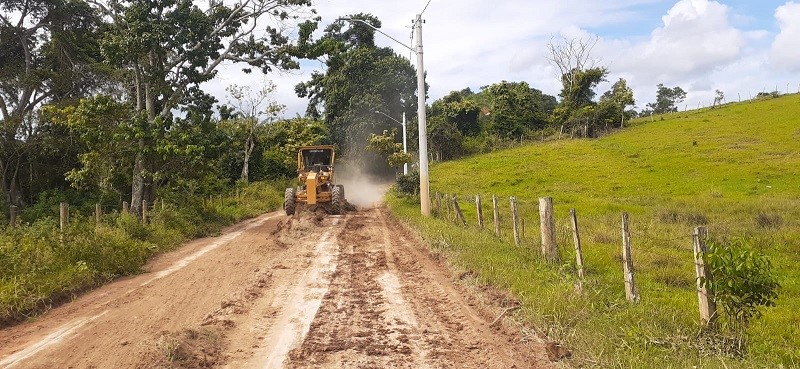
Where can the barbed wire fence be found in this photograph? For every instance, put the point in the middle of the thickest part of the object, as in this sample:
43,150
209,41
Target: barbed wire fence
749,96
502,217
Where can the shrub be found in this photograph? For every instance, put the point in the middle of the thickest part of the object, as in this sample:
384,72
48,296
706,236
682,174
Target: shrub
40,267
743,283
408,184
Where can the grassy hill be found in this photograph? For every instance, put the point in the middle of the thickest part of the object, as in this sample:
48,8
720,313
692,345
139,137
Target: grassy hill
734,169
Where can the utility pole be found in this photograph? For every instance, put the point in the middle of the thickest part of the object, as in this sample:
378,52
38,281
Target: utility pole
405,135
424,184
405,143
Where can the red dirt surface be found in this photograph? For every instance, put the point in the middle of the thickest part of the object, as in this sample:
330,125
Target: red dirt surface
353,291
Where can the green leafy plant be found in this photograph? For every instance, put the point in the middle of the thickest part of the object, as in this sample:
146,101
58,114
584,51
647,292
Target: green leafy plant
408,184
743,284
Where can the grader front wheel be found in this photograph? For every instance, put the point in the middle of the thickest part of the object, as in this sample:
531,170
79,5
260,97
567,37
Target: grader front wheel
288,201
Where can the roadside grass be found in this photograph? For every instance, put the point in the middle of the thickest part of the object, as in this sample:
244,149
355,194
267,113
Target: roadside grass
735,170
38,269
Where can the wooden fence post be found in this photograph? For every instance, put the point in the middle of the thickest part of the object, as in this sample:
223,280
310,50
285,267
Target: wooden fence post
438,203
515,220
496,209
12,215
63,211
631,292
479,209
447,203
705,296
63,217
98,213
457,210
548,224
576,236
125,208
144,211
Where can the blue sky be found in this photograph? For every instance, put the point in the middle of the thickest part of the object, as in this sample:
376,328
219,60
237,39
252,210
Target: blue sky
738,46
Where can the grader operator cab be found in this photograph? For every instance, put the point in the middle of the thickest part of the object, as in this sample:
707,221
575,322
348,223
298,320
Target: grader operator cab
317,187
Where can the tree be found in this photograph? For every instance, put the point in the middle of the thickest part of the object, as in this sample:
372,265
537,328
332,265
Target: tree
579,76
445,141
256,110
718,98
386,145
360,79
569,56
48,53
621,96
288,135
100,123
457,108
667,99
577,106
516,108
168,48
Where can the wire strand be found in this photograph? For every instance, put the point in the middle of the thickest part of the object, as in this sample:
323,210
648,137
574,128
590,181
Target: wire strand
425,8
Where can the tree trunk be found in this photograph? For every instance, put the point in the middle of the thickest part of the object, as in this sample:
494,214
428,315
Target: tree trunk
9,181
137,186
139,166
248,150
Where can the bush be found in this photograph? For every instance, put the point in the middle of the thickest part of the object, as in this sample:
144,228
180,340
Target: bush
743,283
38,269
408,184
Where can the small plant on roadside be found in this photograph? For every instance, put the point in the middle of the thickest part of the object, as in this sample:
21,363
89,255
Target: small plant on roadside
408,184
171,349
743,284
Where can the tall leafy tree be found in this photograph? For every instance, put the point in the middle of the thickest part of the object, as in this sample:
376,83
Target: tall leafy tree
445,141
620,96
360,79
256,110
667,99
48,53
170,47
577,107
516,108
458,108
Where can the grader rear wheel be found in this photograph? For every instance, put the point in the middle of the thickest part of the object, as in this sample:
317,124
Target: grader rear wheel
288,201
337,199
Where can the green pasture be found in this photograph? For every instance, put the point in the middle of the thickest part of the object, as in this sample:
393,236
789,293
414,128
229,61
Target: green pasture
733,169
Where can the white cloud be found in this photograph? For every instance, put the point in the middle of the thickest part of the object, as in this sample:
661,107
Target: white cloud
697,45
696,37
785,51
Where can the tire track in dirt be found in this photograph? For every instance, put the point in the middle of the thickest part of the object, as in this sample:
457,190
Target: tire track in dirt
303,303
390,305
352,328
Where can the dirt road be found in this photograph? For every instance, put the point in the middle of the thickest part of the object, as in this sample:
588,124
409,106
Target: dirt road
354,291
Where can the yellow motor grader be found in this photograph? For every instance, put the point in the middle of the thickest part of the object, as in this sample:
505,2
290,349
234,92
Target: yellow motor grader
317,186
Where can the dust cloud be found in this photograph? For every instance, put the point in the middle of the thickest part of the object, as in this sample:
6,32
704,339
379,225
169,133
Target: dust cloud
360,189
366,175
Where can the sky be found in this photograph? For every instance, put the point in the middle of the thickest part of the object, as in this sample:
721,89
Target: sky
740,47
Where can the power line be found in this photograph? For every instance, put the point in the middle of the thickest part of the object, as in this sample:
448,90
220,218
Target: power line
425,8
